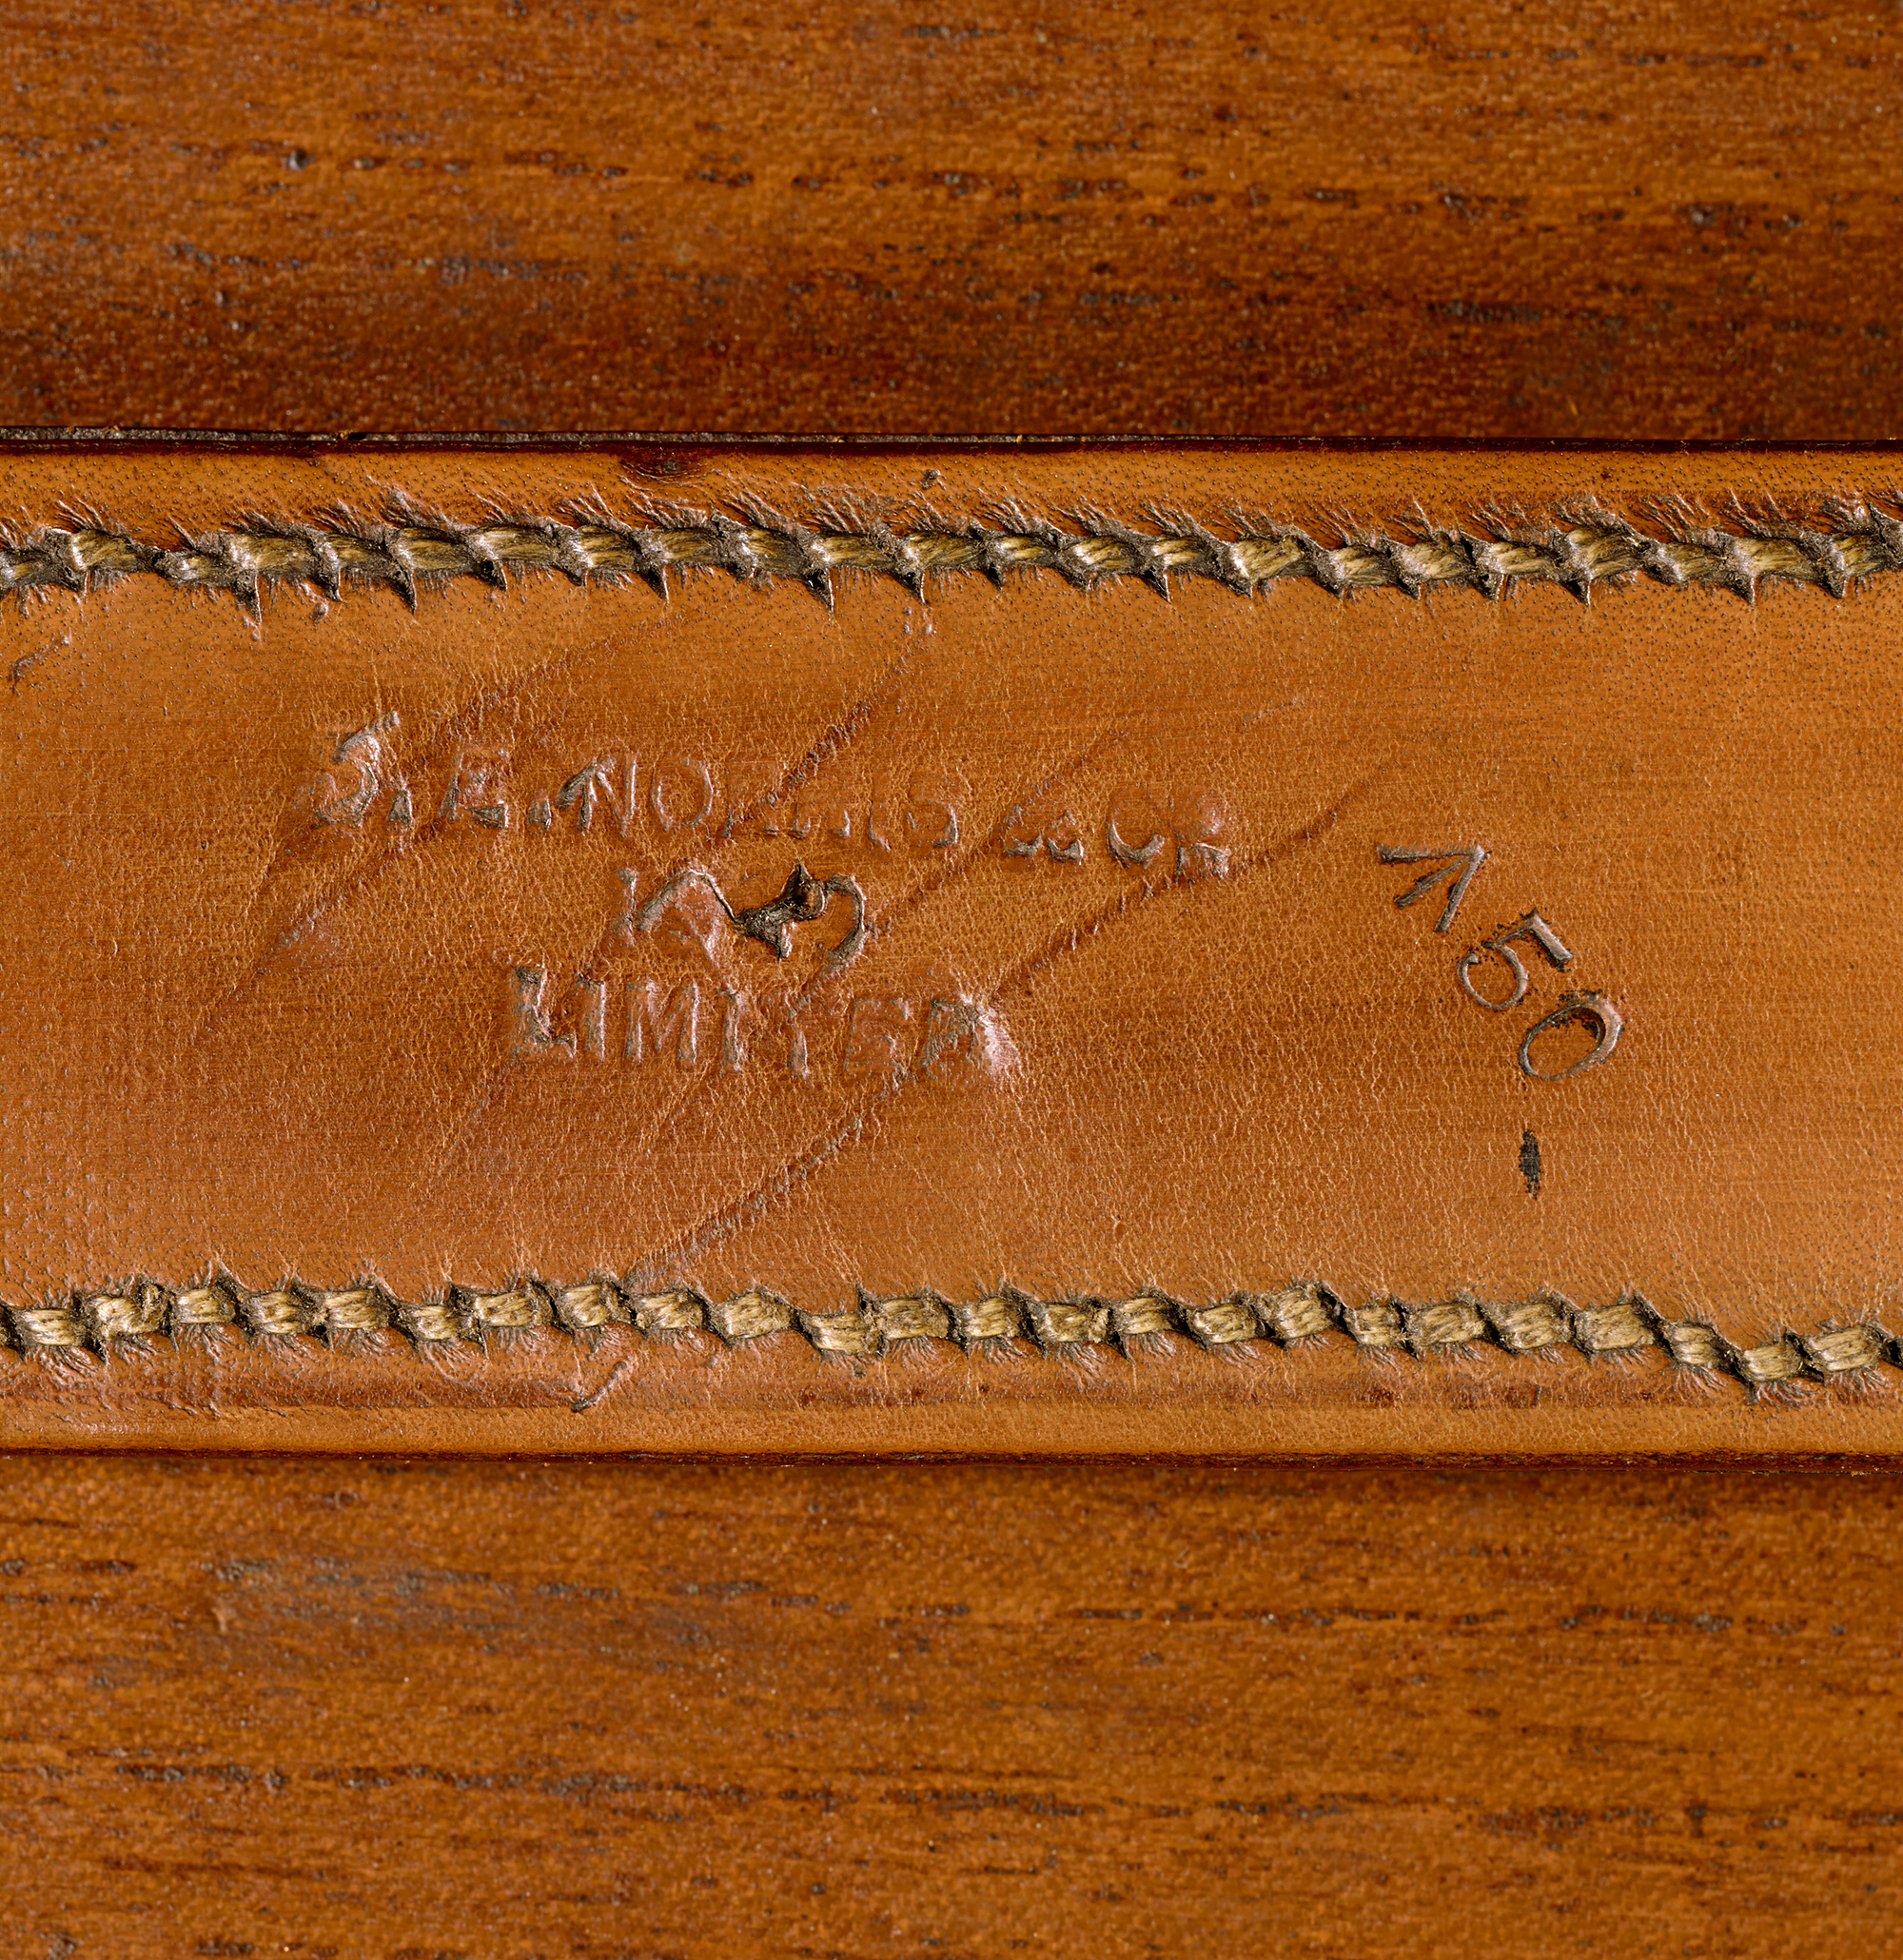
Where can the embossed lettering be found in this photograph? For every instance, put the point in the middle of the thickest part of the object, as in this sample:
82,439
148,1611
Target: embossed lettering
941,1037
600,780
1059,839
361,754
1536,932
622,927
1199,858
751,799
474,789
826,809
1454,867
692,905
732,1005
803,900
530,1036
1135,829
681,795
594,994
651,1027
1597,1013
952,1031
931,815
873,1037
1140,826
611,791
1200,825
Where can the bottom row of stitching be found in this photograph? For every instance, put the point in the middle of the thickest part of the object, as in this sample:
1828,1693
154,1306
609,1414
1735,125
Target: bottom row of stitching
1294,1315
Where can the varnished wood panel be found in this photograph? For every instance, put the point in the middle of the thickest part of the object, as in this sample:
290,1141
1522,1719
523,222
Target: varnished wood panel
1661,221
492,1708
509,1709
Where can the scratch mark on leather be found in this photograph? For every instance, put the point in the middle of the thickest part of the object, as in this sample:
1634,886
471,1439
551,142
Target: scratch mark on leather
832,741
421,1187
1066,939
827,746
931,883
599,1392
927,887
388,852
18,669
697,1240
680,1255
964,863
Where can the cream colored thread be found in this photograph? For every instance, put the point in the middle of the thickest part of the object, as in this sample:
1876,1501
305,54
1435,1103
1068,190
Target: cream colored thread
353,1310
1694,1345
1843,1349
522,1307
1217,1325
1444,1324
432,1320
749,1318
127,1315
283,1312
1136,1318
838,1333
594,1303
1610,1330
48,1327
1069,1324
662,1313
408,551
993,1318
1526,1327
1296,1314
1776,1362
912,1318
202,1307
1376,1325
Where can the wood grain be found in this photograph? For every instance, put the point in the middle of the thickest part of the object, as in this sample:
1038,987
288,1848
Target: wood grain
1655,222
514,1709
509,1709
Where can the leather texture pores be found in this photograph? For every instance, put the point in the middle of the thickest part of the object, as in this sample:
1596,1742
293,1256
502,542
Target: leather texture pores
811,938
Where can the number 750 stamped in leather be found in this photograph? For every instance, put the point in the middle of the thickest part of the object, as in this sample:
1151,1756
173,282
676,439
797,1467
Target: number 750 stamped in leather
692,947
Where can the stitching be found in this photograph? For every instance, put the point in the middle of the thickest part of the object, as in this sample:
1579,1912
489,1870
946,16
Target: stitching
410,550
1298,1316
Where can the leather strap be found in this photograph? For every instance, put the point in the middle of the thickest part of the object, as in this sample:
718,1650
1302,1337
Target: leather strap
849,907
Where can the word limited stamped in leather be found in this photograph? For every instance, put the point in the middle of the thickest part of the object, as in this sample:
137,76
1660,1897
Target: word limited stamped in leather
1127,953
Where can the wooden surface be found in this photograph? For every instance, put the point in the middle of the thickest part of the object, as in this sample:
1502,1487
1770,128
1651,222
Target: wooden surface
1661,221
1612,1711
1092,1025
506,1710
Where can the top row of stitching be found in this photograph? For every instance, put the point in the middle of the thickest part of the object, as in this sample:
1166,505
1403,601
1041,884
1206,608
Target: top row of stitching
408,552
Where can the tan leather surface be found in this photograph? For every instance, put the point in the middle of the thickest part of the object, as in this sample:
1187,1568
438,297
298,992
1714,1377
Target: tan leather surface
332,928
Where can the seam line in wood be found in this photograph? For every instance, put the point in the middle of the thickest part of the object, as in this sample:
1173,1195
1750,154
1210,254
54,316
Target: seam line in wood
409,550
1297,1315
